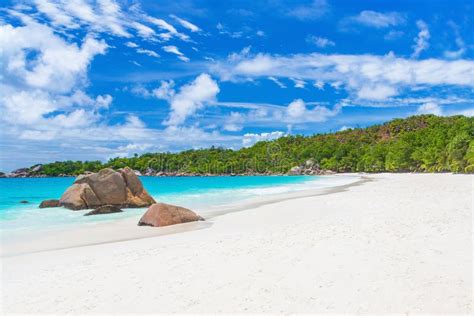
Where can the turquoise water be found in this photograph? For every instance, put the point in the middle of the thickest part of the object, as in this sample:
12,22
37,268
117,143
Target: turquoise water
198,193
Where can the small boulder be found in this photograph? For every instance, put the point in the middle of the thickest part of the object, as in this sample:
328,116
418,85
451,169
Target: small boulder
105,209
161,214
24,202
49,203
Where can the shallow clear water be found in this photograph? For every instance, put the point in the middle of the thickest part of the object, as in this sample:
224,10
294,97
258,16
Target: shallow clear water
198,193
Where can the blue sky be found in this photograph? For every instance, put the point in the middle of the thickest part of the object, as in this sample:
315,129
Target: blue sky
87,80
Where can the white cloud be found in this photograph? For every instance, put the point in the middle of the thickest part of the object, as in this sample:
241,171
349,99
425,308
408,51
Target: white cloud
296,109
376,92
104,16
298,83
277,82
437,109
55,13
58,65
421,40
49,81
132,148
186,24
344,128
455,54
165,91
298,112
190,98
174,50
393,35
170,29
388,74
143,30
249,139
378,19
148,52
430,108
131,44
321,42
42,96
314,10
104,101
467,112
319,84
234,122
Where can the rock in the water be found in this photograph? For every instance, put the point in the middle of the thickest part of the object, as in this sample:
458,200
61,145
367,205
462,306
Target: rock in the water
24,202
49,203
105,209
162,214
107,187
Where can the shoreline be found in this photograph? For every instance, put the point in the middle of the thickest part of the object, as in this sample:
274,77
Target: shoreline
106,232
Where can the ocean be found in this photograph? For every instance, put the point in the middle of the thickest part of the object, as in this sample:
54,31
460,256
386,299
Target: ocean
201,194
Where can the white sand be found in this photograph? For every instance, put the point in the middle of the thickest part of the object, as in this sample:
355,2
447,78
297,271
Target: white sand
401,243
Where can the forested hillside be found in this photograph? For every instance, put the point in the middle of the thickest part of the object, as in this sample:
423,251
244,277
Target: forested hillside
424,143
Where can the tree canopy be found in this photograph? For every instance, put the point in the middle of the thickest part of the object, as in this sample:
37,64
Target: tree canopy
423,143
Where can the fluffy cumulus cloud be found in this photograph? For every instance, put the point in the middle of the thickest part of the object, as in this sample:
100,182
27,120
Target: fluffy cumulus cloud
296,109
299,112
430,108
190,98
365,76
43,74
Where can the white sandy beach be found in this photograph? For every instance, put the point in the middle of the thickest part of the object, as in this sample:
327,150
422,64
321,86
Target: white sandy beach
399,243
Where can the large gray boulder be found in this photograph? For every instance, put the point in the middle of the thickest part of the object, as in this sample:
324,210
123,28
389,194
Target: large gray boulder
162,214
107,187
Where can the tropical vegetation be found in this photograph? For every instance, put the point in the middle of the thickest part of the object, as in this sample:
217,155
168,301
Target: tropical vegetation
423,143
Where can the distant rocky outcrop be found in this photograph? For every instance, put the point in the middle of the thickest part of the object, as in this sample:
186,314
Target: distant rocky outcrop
19,173
309,168
120,188
105,209
49,203
25,172
162,214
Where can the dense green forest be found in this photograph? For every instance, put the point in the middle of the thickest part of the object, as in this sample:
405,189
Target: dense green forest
424,143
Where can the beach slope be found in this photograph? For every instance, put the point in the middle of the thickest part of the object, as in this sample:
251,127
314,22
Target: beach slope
398,243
